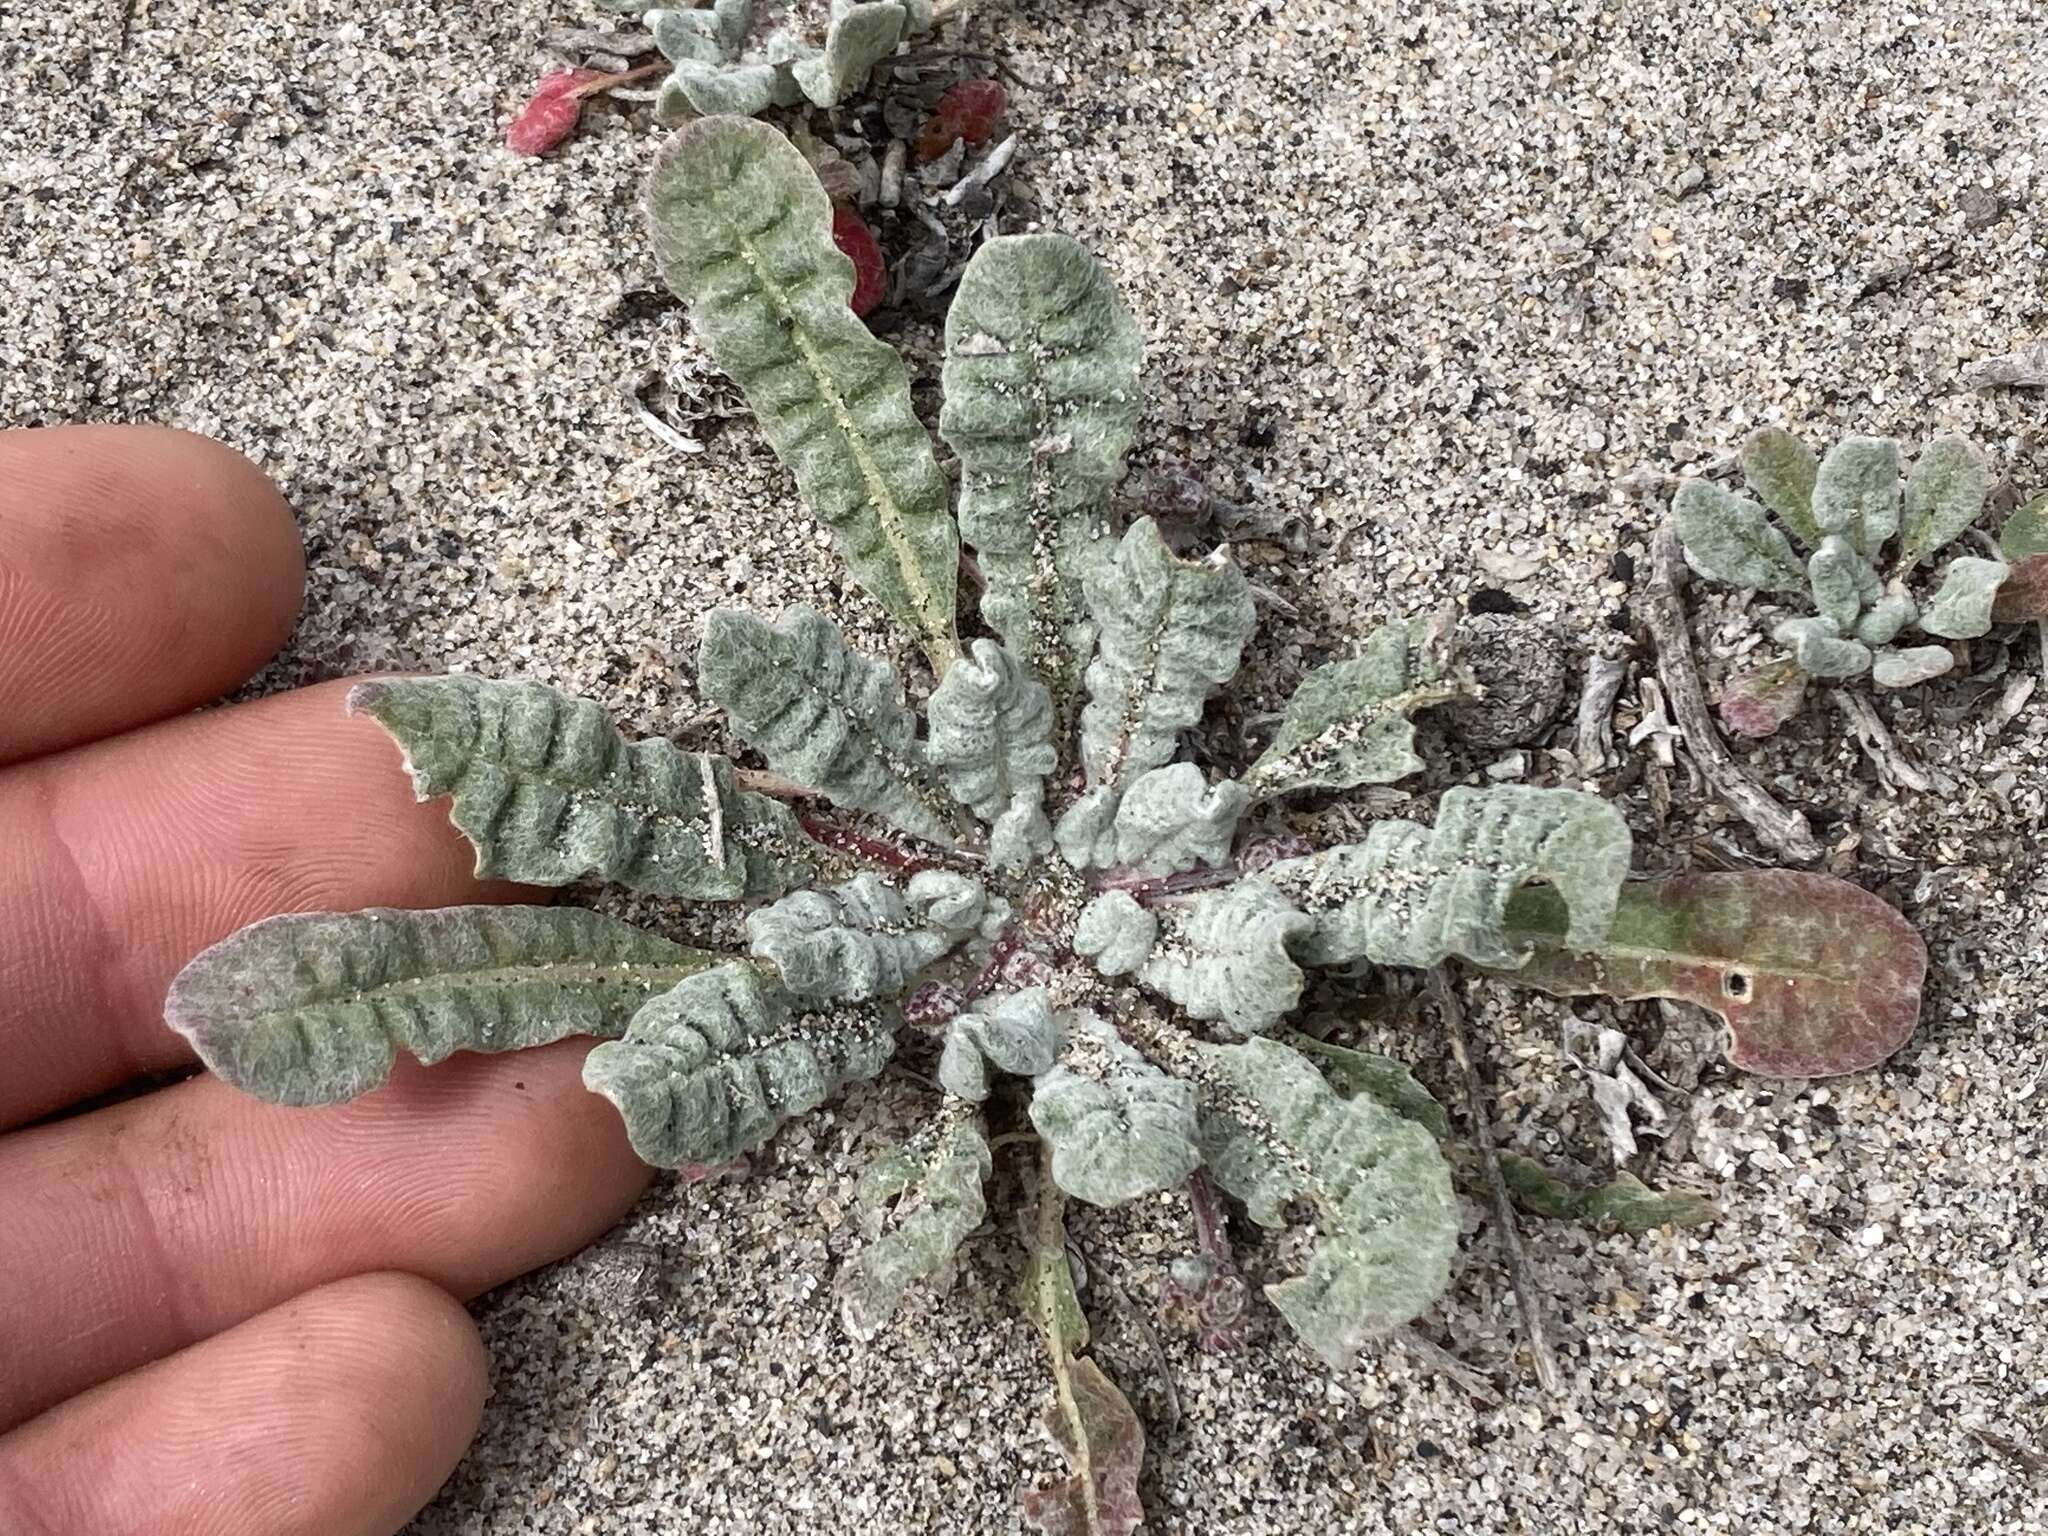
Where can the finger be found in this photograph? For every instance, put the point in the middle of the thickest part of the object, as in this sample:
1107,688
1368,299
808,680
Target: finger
139,1229
142,571
338,1413
121,860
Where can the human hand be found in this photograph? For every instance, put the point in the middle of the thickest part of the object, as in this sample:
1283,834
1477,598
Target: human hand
219,1316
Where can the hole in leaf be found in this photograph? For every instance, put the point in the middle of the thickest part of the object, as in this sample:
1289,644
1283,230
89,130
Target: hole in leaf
1736,984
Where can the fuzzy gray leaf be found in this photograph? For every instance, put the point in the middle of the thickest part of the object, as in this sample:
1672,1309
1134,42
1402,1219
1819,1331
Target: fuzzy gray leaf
1856,492
1887,616
1042,396
862,33
1414,895
2025,533
1016,1033
717,64
1117,1125
1169,631
1944,494
1172,819
1910,665
743,234
1386,1216
825,715
1348,722
1781,470
1086,830
1843,582
1225,955
1821,650
990,735
547,791
313,1008
1352,1072
1729,538
1961,610
711,1069
935,1181
856,940
1115,933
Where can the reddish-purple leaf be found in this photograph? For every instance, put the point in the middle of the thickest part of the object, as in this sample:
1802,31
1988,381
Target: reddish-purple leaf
870,273
1100,1496
550,116
968,111
1813,976
1757,700
2023,594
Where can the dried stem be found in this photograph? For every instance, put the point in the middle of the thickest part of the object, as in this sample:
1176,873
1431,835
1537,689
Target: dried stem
1452,1013
1470,1379
1784,829
1604,676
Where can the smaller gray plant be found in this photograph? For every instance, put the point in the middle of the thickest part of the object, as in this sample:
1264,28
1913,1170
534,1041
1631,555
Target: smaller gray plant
1844,511
746,56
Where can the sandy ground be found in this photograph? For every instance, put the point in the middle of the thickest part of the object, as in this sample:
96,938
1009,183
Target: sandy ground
1433,278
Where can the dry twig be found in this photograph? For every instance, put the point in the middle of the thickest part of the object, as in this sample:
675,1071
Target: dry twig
1604,676
1452,1013
1782,828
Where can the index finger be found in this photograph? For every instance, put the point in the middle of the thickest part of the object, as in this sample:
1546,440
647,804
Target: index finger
142,571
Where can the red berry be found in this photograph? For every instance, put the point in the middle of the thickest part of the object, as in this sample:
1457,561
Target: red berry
968,111
551,115
870,272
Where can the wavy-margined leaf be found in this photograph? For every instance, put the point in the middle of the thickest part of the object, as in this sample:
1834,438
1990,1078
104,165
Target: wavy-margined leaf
1842,581
1115,933
712,1068
1172,818
1821,649
547,791
861,34
1415,895
864,938
1349,721
1883,619
1856,491
1813,976
1910,665
1118,1127
1352,1072
1042,397
1017,1033
1169,631
743,233
990,735
1274,1131
1781,470
1729,538
1099,1433
1944,494
313,1008
1962,608
719,64
935,1183
1625,1202
825,715
1225,955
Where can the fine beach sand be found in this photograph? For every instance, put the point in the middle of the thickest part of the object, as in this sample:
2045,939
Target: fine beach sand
1430,279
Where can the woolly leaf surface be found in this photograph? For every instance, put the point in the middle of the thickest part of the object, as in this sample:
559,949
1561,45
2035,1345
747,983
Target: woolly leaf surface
548,791
861,34
1349,721
1115,933
1962,608
1856,492
1226,955
1912,664
858,940
1042,396
823,714
927,1196
711,1069
990,736
1842,581
743,233
1017,1033
1781,470
1273,1131
1820,648
1352,1072
1728,538
313,1008
1172,819
1117,1125
1944,494
1415,895
1169,630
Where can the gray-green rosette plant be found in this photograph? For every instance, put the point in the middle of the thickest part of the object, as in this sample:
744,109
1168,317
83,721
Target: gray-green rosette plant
1844,512
745,56
1030,874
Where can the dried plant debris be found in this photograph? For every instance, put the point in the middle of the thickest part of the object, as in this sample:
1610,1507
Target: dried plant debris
2023,368
1030,852
1845,512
